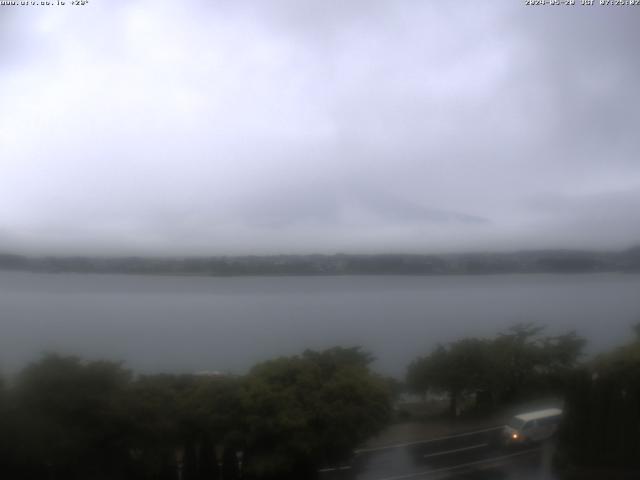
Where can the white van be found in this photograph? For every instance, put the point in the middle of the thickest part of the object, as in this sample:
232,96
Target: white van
532,426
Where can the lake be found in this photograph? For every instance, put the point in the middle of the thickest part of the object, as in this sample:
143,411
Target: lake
188,324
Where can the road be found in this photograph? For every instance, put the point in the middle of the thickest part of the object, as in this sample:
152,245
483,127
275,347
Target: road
473,455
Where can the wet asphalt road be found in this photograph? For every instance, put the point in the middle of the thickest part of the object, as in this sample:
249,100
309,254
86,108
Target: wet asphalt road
474,455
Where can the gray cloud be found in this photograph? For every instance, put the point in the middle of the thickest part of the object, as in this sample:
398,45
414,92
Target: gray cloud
319,126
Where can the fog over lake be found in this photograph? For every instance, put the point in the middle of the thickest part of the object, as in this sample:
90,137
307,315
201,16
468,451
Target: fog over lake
187,324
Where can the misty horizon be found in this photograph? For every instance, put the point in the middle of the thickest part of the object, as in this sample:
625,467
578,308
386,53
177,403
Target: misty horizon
309,253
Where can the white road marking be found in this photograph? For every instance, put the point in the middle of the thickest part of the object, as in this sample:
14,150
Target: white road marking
333,469
462,465
419,442
446,452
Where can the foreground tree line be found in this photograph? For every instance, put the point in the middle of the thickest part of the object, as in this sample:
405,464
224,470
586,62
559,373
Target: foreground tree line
489,372
66,418
62,417
601,425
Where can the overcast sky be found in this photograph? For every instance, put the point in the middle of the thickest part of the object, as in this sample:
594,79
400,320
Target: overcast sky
288,126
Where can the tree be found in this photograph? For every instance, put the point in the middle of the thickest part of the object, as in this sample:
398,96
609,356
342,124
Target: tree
179,420
602,411
71,418
457,369
525,363
68,418
6,453
517,363
307,410
517,354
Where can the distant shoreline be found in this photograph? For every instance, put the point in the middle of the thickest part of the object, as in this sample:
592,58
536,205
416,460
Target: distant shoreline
526,262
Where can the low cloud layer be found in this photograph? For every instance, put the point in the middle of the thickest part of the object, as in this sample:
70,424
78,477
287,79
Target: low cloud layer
283,126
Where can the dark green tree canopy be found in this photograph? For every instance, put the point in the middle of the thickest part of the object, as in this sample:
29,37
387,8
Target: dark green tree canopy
502,368
68,418
317,407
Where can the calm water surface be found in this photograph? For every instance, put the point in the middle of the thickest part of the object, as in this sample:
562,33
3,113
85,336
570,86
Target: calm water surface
184,324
